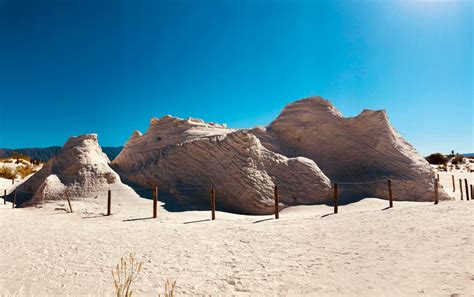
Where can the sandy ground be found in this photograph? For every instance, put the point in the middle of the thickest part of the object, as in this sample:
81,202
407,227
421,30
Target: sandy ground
446,181
413,249
4,184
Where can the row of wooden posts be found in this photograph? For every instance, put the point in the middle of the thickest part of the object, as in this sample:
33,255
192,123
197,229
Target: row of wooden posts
276,198
460,188
155,202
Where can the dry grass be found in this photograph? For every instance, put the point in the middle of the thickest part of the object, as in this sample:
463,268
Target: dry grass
127,271
25,170
7,172
125,274
169,289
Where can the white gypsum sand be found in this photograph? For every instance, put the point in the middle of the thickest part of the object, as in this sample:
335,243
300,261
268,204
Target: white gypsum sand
415,248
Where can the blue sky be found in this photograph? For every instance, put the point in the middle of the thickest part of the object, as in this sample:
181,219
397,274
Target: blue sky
74,67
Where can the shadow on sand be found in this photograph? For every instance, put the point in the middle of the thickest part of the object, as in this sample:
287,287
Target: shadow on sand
263,220
95,217
172,204
137,219
198,221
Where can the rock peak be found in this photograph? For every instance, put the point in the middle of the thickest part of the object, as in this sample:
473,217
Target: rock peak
80,168
136,134
308,110
78,140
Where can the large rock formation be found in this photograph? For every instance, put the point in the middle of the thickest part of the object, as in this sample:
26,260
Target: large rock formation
80,168
353,152
188,157
309,146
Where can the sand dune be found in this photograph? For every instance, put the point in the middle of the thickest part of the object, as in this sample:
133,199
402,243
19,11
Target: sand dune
413,249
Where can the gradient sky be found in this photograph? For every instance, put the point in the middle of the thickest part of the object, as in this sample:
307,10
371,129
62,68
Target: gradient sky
74,67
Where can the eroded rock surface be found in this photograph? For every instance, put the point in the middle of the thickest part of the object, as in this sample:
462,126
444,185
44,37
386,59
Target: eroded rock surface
350,151
188,157
306,149
80,168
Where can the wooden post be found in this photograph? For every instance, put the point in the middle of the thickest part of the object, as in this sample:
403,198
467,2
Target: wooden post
14,199
155,202
460,188
436,191
390,193
277,201
467,189
4,196
213,204
437,176
109,202
471,194
454,184
13,181
335,198
68,201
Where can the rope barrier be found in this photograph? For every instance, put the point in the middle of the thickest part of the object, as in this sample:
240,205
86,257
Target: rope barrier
240,188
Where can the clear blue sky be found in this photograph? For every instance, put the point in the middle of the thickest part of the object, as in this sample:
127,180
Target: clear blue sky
73,67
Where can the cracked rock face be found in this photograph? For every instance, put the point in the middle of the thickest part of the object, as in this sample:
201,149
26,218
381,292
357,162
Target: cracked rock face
188,157
81,169
364,148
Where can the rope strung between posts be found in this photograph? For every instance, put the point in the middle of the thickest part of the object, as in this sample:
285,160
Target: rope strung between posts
240,188
207,187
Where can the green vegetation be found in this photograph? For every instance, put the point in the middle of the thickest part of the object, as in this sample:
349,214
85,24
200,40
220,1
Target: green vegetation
436,159
457,159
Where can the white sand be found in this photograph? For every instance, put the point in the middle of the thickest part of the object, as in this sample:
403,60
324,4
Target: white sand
447,182
4,184
413,249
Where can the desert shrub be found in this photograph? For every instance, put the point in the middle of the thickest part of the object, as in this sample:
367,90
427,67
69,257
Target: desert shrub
436,159
125,274
457,159
7,172
25,170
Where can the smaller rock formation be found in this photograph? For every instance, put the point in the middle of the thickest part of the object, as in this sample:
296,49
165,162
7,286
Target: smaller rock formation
80,168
